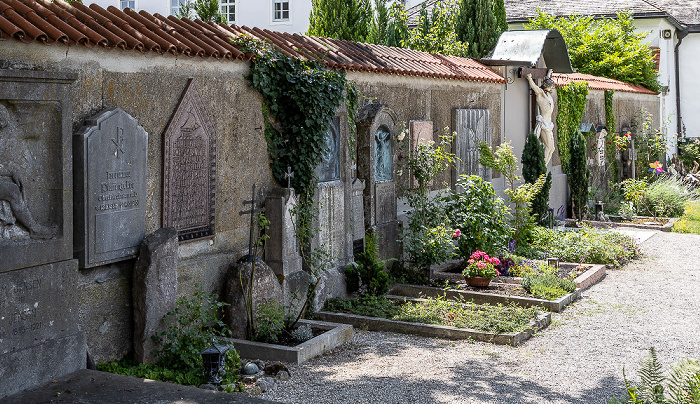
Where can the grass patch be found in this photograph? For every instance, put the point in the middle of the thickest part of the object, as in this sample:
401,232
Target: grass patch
690,222
497,319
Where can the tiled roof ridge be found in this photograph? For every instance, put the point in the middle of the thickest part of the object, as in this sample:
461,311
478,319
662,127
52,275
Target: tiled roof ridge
600,83
55,21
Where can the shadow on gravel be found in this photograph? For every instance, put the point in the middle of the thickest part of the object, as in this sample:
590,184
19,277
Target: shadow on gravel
472,381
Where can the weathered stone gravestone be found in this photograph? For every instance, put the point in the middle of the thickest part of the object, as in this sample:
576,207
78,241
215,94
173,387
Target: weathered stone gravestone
472,126
282,246
189,169
39,336
376,163
110,188
154,288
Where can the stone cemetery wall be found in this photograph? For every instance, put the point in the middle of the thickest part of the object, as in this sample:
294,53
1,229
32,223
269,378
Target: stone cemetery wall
40,335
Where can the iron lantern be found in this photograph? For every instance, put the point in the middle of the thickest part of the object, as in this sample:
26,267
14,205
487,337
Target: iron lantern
214,358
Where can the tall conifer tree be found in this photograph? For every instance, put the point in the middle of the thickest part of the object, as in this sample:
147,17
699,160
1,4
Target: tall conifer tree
341,19
533,167
476,25
499,11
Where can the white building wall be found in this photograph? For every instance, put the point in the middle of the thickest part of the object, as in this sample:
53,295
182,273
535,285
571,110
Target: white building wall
251,13
689,52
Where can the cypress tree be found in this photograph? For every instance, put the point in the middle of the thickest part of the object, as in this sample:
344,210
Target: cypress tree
578,174
350,20
533,167
476,25
499,11
397,29
380,23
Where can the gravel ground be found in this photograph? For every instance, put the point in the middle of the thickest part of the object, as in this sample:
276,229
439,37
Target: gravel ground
579,358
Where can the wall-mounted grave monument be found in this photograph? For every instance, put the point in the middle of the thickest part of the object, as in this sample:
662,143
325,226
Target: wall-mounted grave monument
39,336
472,126
376,162
189,172
110,187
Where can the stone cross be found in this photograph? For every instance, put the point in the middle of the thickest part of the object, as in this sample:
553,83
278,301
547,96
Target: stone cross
289,175
252,211
353,168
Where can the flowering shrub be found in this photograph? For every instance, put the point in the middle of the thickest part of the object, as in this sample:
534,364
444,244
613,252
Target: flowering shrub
480,264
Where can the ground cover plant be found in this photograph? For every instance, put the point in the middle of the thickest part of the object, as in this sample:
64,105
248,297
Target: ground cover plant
547,286
665,196
690,222
192,325
681,387
587,245
497,319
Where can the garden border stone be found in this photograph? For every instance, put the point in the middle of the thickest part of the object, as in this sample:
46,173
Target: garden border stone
667,227
336,335
481,297
437,331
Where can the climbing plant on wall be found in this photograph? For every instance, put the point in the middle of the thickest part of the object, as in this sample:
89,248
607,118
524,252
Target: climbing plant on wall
571,101
300,98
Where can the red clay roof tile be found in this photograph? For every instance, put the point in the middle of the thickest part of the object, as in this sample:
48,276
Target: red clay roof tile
600,83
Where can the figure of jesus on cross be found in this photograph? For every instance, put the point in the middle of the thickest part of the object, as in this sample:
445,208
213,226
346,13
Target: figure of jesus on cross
545,127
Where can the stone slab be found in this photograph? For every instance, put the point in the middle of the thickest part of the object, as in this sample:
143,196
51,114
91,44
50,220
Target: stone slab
39,321
110,187
189,168
94,387
36,144
481,298
435,330
336,335
472,126
385,202
282,247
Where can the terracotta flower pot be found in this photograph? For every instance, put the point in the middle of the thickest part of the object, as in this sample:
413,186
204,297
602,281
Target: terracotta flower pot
478,281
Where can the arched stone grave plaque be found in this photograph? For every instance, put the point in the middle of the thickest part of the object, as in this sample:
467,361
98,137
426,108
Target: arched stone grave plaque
110,184
329,168
472,126
189,169
376,163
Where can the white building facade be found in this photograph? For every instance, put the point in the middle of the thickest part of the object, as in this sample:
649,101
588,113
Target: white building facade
276,15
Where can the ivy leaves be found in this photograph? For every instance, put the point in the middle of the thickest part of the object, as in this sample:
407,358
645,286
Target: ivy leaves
299,100
571,102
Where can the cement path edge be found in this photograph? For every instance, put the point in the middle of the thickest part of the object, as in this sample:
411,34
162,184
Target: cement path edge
437,331
336,335
556,305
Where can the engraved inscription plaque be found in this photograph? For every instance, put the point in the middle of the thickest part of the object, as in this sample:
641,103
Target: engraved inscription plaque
189,172
111,151
472,126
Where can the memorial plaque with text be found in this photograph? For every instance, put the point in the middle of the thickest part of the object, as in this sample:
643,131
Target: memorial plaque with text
110,182
189,172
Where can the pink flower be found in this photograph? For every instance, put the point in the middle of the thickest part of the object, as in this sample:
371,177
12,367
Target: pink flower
495,261
481,264
457,233
471,261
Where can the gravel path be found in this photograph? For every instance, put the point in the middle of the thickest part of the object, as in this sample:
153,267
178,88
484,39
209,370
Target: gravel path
579,358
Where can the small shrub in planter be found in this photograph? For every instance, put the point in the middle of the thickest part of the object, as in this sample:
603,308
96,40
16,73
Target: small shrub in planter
480,264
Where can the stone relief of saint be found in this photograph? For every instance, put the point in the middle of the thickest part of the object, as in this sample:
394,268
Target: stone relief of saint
545,127
382,156
13,208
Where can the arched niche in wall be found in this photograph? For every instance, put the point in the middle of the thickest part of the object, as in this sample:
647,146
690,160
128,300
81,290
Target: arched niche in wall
376,164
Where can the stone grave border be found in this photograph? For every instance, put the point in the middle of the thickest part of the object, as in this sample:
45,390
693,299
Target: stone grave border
435,330
336,335
667,227
594,274
482,298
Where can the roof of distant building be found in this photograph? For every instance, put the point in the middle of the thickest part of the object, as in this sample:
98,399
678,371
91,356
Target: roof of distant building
50,22
599,83
678,11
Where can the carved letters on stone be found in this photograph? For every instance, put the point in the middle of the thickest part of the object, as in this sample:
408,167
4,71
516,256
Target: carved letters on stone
111,151
472,126
189,159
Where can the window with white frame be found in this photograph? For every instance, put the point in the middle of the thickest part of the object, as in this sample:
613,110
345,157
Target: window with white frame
228,10
127,3
281,10
174,7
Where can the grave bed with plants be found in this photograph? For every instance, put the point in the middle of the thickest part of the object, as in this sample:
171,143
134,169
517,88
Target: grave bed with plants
637,222
326,337
439,318
584,275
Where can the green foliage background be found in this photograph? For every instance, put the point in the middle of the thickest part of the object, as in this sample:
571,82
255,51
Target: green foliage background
606,47
476,25
571,102
350,20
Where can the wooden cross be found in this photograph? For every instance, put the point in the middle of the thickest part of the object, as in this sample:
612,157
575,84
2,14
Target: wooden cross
289,175
252,211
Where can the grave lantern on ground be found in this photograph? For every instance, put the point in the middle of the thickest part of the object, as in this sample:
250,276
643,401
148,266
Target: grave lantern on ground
214,358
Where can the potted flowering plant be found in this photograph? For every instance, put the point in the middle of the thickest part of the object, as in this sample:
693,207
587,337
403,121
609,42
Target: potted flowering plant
480,269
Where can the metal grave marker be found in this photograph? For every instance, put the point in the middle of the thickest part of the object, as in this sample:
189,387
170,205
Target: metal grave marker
189,172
